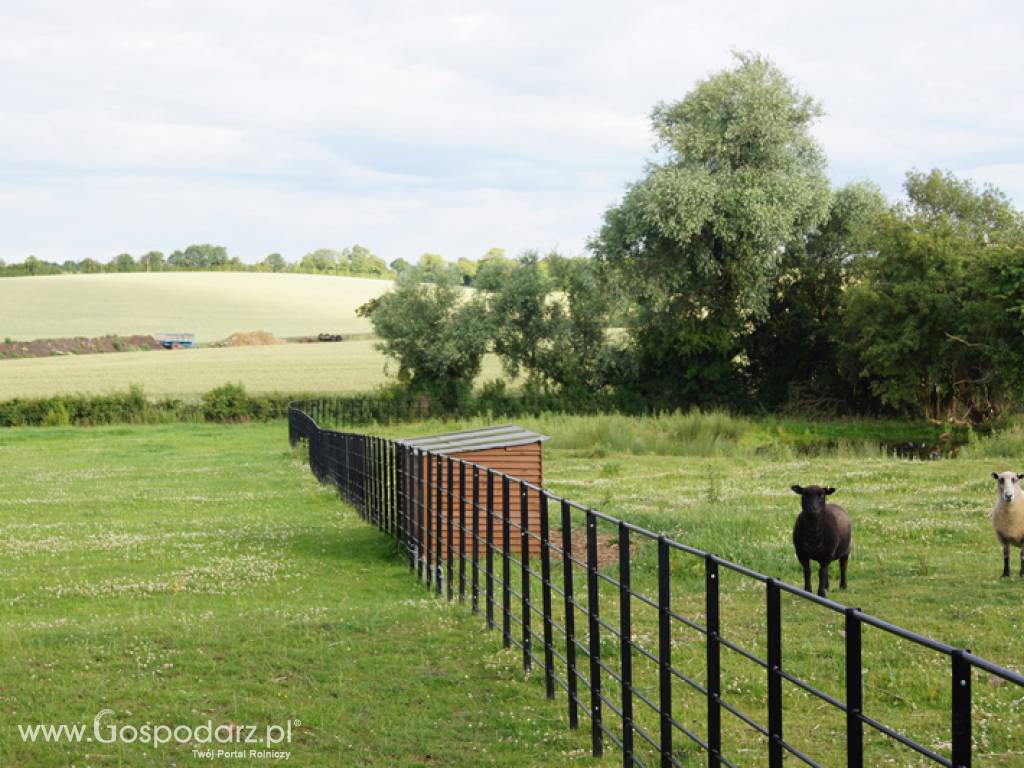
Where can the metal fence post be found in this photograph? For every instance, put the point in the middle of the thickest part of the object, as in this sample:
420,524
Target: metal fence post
774,620
386,487
374,482
545,574
506,567
476,538
524,561
961,669
429,568
402,499
389,486
570,615
372,493
369,494
395,481
626,646
462,530
438,523
595,636
450,543
417,459
382,486
489,552
854,692
665,651
714,664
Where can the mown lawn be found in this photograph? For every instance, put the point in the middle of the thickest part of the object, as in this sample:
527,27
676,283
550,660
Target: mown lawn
182,574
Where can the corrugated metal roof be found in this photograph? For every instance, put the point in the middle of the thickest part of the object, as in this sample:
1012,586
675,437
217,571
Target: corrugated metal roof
504,436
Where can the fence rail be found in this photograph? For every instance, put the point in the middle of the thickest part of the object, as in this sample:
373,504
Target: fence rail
409,494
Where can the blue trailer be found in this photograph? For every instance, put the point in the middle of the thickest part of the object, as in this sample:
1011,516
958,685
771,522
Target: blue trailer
176,340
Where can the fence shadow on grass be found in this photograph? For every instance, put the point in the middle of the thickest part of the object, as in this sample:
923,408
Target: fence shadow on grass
673,655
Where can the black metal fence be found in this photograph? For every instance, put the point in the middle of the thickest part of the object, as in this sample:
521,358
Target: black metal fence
599,593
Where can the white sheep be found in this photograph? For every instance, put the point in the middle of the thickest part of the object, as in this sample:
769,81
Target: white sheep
1008,516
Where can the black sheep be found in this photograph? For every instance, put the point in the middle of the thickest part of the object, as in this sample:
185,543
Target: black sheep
822,533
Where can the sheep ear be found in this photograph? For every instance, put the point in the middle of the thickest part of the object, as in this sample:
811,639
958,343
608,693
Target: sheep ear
829,491
995,476
797,489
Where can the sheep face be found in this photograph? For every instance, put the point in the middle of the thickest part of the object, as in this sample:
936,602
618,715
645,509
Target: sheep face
812,498
1008,484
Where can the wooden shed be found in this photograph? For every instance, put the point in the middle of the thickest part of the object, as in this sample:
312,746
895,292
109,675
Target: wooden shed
509,449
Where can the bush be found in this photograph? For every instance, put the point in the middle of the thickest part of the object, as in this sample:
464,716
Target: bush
227,403
57,416
127,407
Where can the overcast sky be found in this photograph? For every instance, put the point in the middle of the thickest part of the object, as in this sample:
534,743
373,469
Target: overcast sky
446,126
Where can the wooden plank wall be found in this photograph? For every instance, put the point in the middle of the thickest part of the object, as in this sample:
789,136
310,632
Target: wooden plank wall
523,462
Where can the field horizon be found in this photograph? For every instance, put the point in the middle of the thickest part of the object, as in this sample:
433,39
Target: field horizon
212,305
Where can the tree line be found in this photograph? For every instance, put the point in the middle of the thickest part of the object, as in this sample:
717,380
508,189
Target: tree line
355,261
733,274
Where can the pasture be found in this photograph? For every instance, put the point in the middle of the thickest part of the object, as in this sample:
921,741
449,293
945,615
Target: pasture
212,305
182,573
925,558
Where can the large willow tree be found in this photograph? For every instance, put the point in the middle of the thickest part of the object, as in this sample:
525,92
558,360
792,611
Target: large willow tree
697,242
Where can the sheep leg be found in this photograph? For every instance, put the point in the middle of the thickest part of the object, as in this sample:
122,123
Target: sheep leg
1006,560
1022,561
823,579
806,564
842,571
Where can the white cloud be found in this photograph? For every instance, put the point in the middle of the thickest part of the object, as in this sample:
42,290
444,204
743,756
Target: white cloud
451,126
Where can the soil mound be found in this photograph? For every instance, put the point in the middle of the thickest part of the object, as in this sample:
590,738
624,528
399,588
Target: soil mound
77,345
251,339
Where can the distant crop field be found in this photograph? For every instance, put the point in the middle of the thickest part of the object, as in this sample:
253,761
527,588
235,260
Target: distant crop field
212,305
349,366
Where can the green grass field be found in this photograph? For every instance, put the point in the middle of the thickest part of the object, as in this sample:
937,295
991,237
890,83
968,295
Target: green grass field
350,366
925,557
212,305
182,573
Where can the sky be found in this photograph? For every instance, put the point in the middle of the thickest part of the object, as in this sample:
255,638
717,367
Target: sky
449,127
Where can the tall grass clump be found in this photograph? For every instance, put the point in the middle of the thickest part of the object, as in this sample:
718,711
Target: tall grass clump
690,433
1008,441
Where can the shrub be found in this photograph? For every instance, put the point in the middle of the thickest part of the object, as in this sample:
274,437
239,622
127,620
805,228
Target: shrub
227,403
57,415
